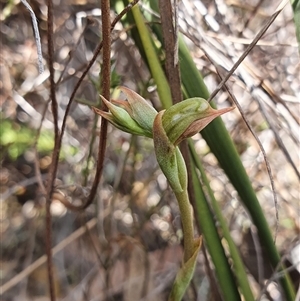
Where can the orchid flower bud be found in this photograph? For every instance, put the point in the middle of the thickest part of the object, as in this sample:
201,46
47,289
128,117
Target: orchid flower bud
140,110
170,127
120,119
188,117
134,116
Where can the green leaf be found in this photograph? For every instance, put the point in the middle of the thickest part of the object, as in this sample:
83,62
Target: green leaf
153,61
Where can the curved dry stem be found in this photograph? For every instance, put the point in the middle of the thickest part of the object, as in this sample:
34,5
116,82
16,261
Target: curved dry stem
99,168
55,155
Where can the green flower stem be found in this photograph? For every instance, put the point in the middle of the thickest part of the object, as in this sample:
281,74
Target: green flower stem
173,166
187,224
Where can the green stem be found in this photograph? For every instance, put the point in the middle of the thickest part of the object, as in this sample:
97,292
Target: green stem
187,224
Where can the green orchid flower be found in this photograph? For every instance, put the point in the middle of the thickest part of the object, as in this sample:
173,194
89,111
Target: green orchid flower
177,123
188,117
133,116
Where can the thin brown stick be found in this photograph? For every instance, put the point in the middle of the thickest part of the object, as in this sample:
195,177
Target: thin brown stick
105,80
53,167
169,36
